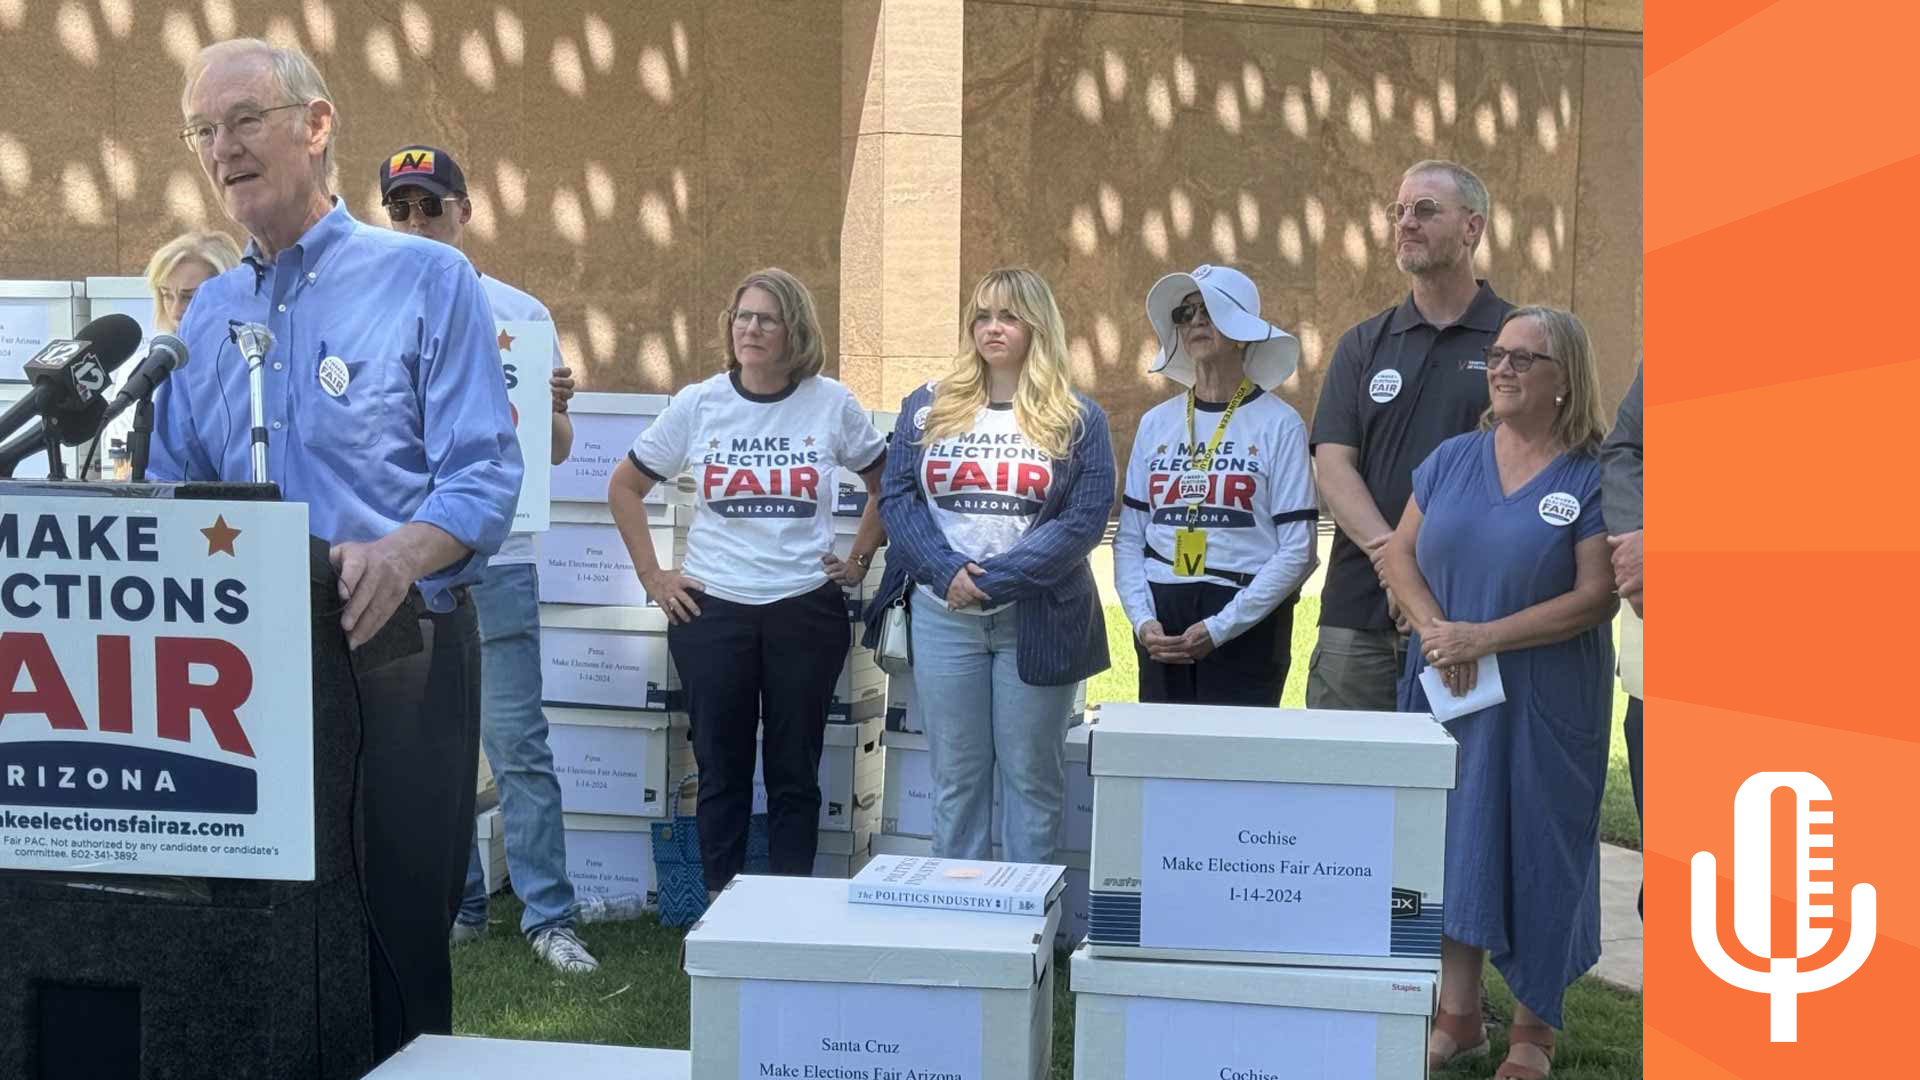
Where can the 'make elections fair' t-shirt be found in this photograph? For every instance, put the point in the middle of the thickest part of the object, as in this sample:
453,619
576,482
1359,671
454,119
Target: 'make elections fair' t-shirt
985,486
765,470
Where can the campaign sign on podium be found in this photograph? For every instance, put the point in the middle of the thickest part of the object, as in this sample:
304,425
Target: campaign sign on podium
156,688
526,356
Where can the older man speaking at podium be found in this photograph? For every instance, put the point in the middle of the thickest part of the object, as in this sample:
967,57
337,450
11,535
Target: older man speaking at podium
386,413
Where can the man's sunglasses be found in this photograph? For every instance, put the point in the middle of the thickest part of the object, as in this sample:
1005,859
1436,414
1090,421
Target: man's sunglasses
430,205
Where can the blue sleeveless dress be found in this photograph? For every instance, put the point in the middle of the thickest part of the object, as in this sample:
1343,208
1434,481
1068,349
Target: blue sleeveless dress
1523,821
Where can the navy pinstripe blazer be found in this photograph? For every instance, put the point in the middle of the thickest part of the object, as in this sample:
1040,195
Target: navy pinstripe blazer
1062,629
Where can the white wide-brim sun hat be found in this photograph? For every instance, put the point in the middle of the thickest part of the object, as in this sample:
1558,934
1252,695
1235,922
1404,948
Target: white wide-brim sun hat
1233,305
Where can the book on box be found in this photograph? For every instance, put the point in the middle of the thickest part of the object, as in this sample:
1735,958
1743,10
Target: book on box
958,884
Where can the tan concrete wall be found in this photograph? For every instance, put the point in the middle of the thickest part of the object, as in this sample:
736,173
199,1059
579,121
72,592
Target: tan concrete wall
629,161
1110,141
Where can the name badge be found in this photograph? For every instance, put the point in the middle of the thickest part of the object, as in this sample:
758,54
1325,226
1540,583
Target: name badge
1193,488
1190,553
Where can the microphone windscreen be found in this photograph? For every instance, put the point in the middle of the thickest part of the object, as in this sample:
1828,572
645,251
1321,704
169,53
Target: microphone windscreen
114,338
168,345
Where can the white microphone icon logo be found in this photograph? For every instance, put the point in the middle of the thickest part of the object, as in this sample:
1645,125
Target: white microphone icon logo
1752,897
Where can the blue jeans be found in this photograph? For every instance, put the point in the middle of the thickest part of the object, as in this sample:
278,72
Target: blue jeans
513,731
981,717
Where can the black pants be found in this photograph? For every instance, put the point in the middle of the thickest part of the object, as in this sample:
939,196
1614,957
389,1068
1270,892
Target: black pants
1249,670
421,718
772,666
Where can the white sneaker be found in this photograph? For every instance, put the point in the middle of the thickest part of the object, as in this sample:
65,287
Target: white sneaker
465,932
561,948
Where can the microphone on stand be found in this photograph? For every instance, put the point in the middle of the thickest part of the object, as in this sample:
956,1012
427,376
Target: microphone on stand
254,340
70,379
166,355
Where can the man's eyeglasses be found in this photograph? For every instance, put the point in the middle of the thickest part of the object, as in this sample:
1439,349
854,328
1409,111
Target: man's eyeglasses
430,205
1183,314
747,320
241,125
1521,359
1423,210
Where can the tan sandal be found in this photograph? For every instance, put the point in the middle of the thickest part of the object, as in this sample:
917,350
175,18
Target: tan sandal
1529,1053
1449,1041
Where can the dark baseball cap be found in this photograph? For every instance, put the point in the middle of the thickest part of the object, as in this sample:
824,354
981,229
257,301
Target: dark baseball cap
426,167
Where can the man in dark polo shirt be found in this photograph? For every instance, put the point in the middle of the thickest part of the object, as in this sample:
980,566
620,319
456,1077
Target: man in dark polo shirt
1401,383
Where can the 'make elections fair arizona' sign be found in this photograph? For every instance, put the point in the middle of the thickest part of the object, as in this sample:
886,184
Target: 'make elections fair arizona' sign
156,691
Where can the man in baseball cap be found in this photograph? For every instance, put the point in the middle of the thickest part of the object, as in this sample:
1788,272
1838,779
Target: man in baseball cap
425,193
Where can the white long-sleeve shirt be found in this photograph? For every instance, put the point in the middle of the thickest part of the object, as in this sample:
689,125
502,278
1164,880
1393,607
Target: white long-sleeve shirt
1258,515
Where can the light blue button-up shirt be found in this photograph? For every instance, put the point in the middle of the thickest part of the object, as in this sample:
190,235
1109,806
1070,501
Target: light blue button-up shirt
420,432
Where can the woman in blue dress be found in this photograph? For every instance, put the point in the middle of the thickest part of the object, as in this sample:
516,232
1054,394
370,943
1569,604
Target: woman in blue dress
1502,552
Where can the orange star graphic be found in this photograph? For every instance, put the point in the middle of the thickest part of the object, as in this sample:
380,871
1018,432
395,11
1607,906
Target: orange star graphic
506,341
220,536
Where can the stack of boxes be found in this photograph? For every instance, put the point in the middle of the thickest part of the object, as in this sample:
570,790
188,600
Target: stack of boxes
607,679
1267,893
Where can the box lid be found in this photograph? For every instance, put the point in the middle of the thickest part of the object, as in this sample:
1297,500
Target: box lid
615,718
439,1056
119,288
904,740
603,404
659,515
1285,746
609,822
803,929
1409,993
624,618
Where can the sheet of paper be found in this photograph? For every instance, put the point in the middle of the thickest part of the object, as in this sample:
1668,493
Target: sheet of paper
1202,1040
1227,864
526,357
858,1029
1486,691
25,325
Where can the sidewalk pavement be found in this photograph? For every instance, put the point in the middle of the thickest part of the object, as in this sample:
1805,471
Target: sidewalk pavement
1620,930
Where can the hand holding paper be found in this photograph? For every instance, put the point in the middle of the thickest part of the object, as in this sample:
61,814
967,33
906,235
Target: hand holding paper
1486,691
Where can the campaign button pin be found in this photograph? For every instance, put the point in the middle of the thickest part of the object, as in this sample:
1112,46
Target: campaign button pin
1385,386
1193,487
333,376
1559,508
920,417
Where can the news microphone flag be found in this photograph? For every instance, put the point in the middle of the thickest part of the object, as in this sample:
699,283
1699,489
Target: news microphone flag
1752,901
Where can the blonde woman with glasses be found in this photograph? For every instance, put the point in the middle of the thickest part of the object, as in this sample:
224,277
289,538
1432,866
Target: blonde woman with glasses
1502,552
757,615
998,486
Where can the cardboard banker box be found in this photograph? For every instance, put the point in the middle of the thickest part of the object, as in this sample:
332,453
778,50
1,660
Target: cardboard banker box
606,658
436,1057
610,761
791,980
1278,836
1155,1019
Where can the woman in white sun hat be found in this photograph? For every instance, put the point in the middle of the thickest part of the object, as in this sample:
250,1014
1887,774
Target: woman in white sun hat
1216,530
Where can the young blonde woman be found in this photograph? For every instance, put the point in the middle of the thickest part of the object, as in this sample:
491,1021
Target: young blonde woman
998,486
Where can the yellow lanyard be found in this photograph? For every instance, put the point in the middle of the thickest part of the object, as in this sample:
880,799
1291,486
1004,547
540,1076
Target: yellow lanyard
1203,460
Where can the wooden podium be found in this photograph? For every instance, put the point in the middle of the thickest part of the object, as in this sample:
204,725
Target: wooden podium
210,924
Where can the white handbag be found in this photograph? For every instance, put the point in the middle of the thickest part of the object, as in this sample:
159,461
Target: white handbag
894,651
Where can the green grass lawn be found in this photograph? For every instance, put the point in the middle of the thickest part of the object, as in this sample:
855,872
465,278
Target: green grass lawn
639,997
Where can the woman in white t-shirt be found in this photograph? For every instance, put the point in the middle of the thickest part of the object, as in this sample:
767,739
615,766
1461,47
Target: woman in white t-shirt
997,487
757,612
1217,517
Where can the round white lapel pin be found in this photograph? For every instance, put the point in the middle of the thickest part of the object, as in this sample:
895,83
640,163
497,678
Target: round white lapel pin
333,376
1559,509
1385,386
920,417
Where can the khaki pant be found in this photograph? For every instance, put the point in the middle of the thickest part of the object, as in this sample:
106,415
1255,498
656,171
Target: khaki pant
1356,669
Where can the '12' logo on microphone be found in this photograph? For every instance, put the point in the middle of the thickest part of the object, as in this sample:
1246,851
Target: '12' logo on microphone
1752,900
